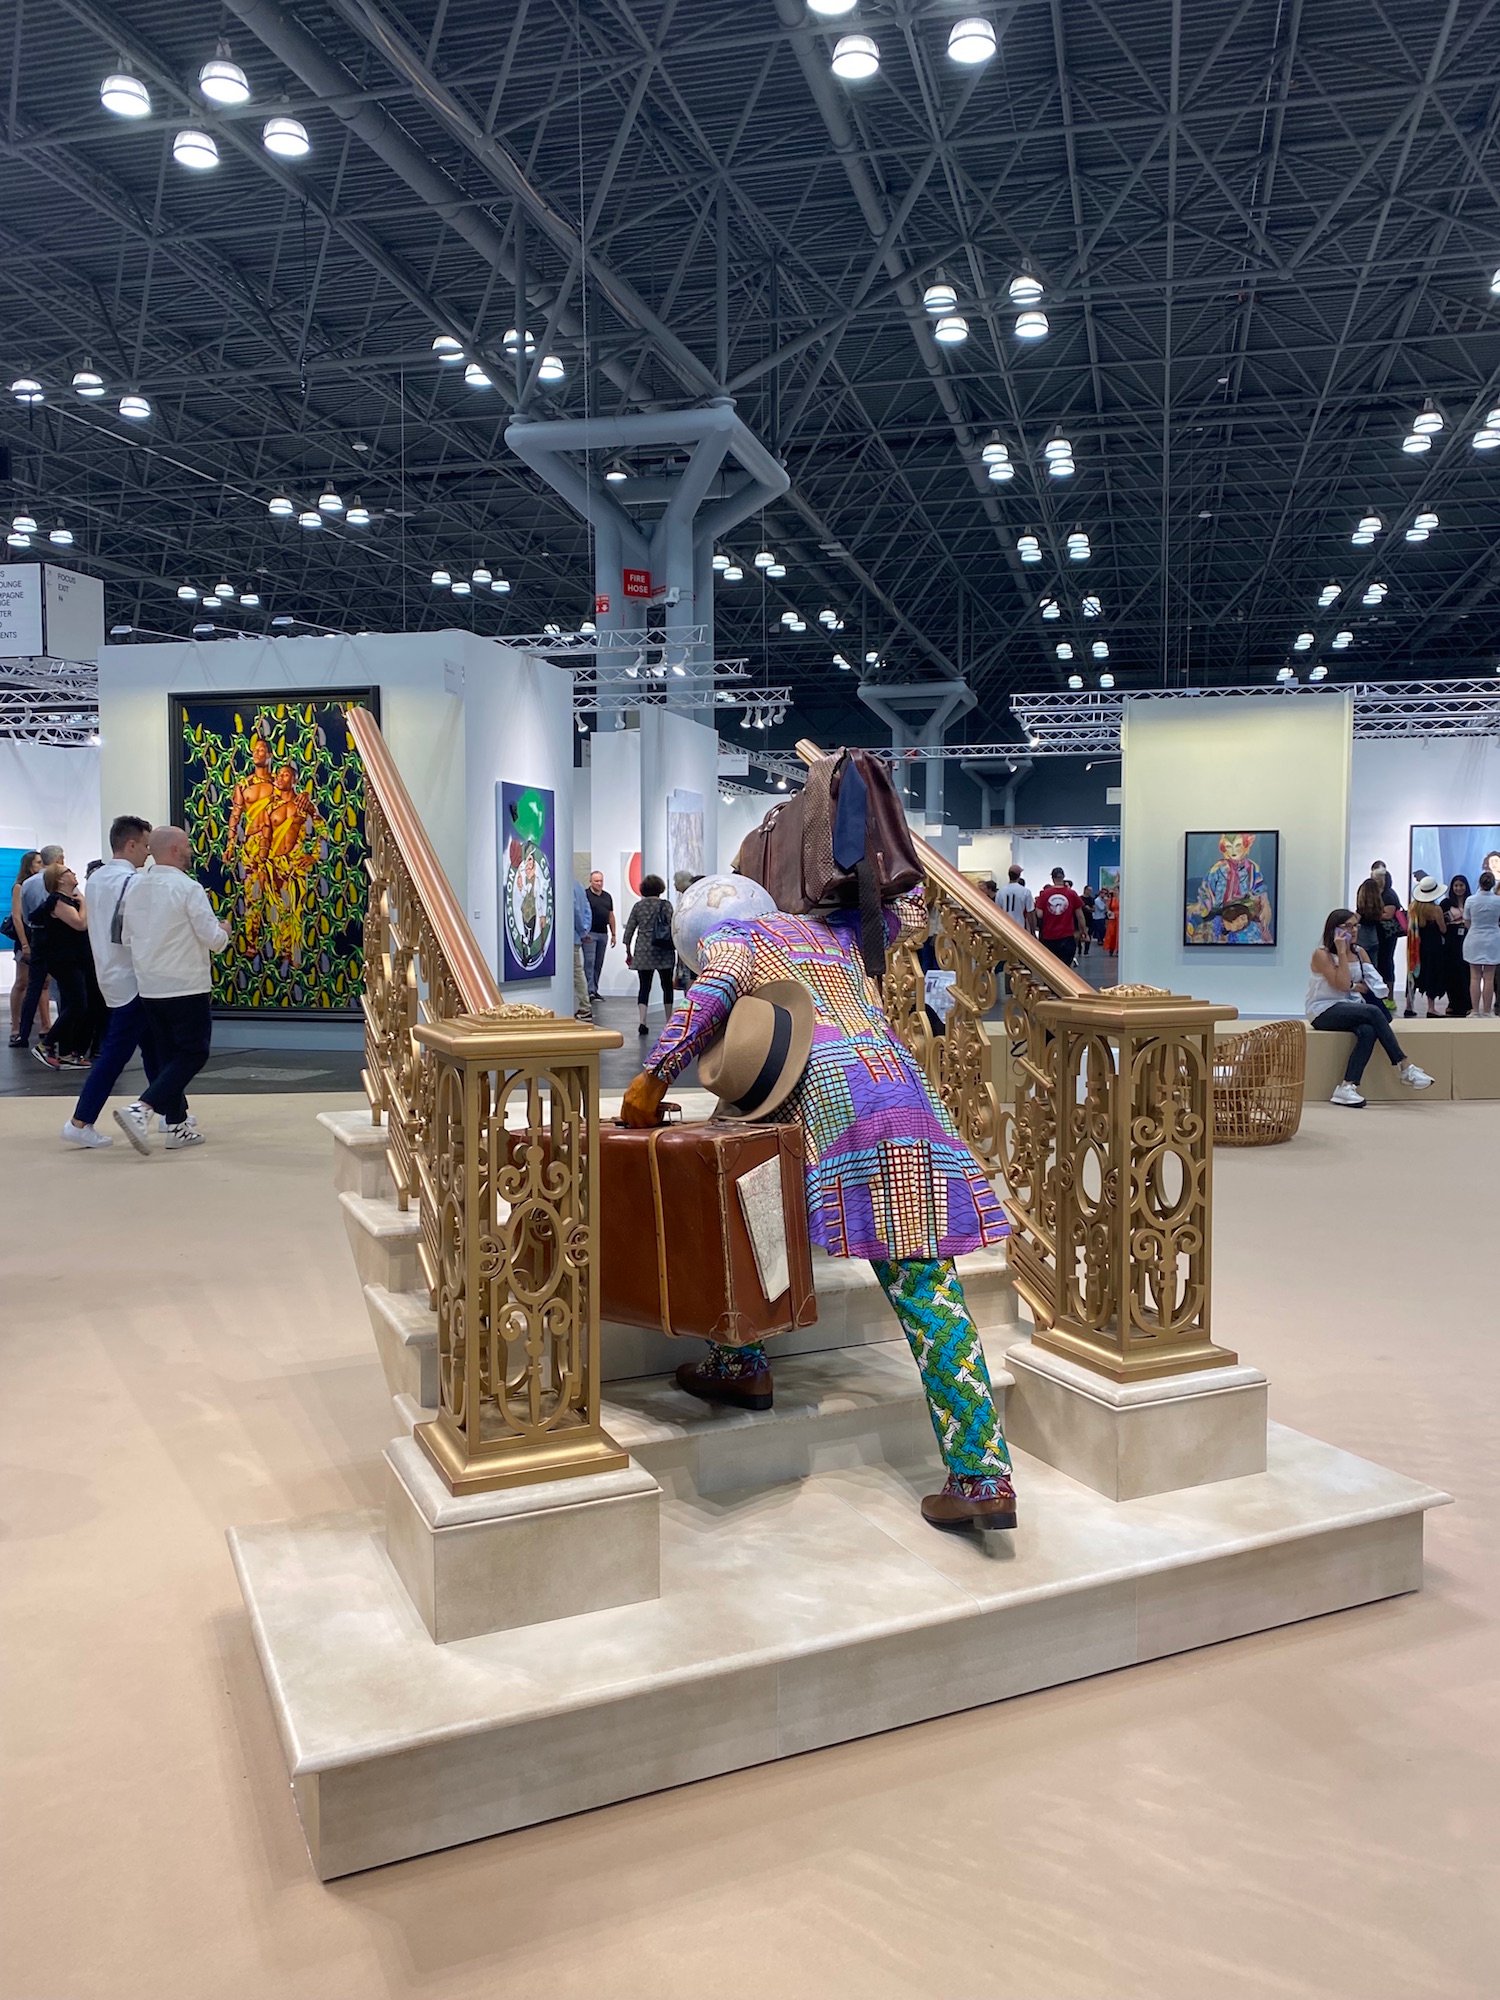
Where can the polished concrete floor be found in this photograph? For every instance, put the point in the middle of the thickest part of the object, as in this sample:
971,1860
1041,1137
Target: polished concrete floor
1312,1812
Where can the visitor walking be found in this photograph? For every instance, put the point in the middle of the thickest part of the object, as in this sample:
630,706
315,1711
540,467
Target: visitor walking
1482,944
1017,901
171,930
1344,995
60,930
15,929
1393,923
799,1033
649,949
33,889
1058,917
1086,901
1454,907
1426,951
601,931
583,1006
124,1022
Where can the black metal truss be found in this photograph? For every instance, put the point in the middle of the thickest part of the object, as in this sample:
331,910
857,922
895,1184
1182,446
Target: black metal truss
1266,229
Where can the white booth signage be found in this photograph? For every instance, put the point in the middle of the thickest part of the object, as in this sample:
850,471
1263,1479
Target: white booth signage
50,613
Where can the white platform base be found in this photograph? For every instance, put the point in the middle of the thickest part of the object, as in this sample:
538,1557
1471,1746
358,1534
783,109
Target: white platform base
789,1618
1131,1439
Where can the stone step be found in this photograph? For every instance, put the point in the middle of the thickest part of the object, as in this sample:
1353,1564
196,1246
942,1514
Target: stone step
359,1162
384,1240
789,1618
405,1328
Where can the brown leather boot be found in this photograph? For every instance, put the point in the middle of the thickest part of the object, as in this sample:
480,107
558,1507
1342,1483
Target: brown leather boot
738,1392
987,1504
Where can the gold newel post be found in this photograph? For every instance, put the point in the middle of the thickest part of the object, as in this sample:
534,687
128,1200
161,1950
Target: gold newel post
1133,1183
509,1245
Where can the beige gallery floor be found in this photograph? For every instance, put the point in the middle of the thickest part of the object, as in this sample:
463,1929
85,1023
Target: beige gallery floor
1312,1812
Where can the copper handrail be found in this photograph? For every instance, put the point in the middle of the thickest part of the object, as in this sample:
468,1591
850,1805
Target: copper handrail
1059,979
472,976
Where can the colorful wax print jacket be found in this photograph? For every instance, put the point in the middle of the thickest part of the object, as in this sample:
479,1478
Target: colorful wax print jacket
887,1174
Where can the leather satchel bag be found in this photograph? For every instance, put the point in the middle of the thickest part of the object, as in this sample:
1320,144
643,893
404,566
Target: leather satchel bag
842,841
683,1249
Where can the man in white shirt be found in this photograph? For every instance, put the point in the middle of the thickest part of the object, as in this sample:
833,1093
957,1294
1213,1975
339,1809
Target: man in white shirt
124,1029
1017,901
172,932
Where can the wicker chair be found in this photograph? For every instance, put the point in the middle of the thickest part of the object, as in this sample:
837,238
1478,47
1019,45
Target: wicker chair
1258,1079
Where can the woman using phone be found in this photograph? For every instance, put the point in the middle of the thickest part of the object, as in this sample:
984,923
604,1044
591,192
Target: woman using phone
1344,995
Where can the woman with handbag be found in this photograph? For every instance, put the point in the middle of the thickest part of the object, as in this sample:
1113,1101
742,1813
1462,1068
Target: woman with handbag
15,930
649,950
888,1177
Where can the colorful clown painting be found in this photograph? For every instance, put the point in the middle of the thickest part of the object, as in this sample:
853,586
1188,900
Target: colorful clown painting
1230,888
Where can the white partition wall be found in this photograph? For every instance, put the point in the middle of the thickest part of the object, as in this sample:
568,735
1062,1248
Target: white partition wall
615,832
1399,784
1245,764
679,794
1038,857
49,793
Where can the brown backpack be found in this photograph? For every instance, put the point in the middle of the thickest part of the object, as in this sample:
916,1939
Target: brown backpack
841,842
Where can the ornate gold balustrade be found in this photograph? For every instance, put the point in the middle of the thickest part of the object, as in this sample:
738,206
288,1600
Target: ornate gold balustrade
1104,1156
492,1117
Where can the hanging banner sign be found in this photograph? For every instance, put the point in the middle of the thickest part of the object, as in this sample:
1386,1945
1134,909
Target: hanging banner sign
601,605
638,583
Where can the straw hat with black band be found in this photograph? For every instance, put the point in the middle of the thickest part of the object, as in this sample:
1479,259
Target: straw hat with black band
758,1061
1428,889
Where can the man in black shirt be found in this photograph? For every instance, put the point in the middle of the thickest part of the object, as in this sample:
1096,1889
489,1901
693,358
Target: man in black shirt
601,932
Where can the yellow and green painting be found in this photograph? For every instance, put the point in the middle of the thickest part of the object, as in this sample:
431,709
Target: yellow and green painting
272,794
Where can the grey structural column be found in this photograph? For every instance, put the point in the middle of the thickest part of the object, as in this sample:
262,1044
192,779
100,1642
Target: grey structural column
917,713
729,475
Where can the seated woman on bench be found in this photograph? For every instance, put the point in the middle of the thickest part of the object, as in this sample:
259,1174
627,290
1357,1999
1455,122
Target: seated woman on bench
1343,998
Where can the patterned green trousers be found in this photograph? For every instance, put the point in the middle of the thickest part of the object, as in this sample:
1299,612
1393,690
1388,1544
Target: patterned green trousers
928,1299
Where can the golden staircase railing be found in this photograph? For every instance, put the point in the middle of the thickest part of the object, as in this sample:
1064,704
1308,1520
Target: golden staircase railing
492,1119
1104,1158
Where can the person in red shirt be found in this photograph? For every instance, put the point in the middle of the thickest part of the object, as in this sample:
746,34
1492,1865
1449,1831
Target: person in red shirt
1059,921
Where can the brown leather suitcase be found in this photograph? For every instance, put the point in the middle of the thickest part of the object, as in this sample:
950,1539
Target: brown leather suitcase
676,1249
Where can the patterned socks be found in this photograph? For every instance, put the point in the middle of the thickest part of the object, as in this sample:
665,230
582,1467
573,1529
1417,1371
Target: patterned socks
733,1364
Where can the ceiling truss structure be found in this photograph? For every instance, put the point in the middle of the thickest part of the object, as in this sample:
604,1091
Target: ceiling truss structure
1266,231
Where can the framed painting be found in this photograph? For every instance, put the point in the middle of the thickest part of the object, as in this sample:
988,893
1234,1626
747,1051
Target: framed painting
1446,851
1231,886
271,792
526,841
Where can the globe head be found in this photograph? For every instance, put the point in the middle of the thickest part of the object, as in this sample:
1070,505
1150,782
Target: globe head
711,901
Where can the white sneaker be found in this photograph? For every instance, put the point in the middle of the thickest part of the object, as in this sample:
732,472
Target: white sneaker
84,1135
1347,1094
185,1134
135,1122
1418,1079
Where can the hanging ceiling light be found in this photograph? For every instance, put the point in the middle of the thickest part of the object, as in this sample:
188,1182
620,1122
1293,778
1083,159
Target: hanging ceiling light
223,588
764,559
1285,674
1092,608
1327,595
476,378
1304,642
280,507
1064,650
441,579
15,541
1057,447
855,57
309,518
1418,534
501,586
734,574
448,349
60,536
616,472
1061,468
788,617
951,329
1032,325
1361,541
27,391
971,41
512,342
1106,680
187,593
125,95
87,381
196,150
24,524
1417,441
358,515
1319,672
721,562
551,369
485,576
250,600
1025,288
1028,548
993,452
1051,608
134,407
462,589
286,138
1428,421
1370,524
939,297
777,571
1100,649
1425,520
1488,437
1075,680
329,502
1342,640
1001,471
1078,546
831,9
842,664
221,79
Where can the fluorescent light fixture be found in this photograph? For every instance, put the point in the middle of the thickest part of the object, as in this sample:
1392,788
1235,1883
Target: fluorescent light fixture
125,95
286,138
971,41
88,382
1032,325
195,149
855,57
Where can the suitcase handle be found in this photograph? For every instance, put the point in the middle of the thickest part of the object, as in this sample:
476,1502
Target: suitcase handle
668,1111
